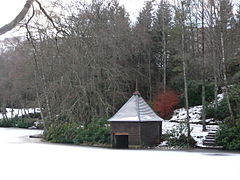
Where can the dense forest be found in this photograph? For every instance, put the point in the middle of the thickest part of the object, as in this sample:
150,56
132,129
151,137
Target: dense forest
85,60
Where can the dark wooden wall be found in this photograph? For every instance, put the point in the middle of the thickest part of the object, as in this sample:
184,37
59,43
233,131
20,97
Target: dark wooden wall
144,133
132,128
151,133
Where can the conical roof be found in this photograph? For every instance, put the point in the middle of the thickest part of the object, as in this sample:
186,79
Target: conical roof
135,110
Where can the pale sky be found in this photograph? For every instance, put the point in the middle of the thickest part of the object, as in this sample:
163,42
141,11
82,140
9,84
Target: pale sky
10,8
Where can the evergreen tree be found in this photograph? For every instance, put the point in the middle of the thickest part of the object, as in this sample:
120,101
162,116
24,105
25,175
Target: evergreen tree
144,64
162,25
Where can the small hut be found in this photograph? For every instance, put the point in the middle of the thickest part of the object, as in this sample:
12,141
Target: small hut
135,124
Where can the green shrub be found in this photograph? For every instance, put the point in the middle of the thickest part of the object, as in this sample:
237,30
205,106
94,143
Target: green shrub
63,130
182,141
222,111
18,122
228,135
6,123
25,122
236,77
210,111
98,131
177,137
234,96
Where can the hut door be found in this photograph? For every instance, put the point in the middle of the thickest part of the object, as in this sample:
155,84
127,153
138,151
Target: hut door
121,141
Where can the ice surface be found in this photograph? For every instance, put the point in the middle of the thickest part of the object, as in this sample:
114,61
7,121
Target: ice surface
25,159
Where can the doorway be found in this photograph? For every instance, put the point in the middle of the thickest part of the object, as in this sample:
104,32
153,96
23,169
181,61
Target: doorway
120,141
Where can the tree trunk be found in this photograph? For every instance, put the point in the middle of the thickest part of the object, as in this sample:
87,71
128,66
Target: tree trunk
4,112
213,55
149,75
164,51
184,73
225,78
203,74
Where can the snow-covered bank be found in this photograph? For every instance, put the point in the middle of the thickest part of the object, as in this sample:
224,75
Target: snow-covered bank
12,112
180,115
23,159
196,132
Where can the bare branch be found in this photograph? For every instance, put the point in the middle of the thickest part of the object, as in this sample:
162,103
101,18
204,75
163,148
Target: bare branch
49,18
17,19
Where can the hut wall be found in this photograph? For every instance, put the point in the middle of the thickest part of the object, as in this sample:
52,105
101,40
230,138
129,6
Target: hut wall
132,128
151,133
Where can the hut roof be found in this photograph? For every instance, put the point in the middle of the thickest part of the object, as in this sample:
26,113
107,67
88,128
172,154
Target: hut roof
135,110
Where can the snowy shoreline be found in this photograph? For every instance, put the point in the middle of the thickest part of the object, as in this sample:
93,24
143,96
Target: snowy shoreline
179,116
25,134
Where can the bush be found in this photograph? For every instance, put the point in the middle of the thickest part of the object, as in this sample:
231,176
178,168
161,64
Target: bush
229,135
97,132
222,111
18,122
65,131
234,96
6,123
60,129
165,103
25,122
177,137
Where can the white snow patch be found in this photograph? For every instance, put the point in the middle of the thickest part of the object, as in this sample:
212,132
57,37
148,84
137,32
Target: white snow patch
12,112
220,97
197,133
180,115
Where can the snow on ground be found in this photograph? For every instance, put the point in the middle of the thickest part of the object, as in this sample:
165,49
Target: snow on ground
180,115
196,132
194,113
220,97
27,159
11,112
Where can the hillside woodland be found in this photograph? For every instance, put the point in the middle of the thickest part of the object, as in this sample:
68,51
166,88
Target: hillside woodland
81,64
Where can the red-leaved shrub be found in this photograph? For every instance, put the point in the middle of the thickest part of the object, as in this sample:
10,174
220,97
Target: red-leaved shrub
165,103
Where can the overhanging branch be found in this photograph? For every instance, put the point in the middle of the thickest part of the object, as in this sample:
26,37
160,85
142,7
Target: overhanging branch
49,18
17,19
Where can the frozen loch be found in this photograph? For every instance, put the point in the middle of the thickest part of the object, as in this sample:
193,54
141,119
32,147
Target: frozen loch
29,159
